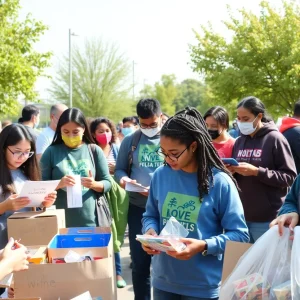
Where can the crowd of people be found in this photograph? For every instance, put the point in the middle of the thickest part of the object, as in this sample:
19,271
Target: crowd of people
180,160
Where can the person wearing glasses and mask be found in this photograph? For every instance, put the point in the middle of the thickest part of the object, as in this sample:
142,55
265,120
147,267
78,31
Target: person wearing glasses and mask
17,165
266,167
145,161
195,187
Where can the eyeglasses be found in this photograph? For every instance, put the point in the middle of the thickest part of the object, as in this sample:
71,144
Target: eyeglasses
171,157
19,154
152,126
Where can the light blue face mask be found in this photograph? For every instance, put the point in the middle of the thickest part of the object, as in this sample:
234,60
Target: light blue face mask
36,125
127,130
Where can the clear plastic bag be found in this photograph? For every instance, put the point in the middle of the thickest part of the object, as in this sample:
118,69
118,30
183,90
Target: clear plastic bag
264,271
295,265
169,238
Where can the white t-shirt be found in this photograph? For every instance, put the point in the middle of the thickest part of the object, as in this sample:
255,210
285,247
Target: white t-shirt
44,140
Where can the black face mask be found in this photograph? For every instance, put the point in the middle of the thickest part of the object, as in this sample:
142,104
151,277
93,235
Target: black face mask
214,134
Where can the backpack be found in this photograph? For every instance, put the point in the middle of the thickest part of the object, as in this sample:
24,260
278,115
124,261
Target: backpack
135,141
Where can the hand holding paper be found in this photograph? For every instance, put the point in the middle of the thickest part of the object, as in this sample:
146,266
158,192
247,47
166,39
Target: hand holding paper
133,186
15,203
37,191
88,182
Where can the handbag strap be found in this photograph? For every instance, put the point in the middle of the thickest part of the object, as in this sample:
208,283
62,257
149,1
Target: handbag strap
92,151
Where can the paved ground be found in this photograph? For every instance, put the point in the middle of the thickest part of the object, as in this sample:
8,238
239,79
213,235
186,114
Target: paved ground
127,292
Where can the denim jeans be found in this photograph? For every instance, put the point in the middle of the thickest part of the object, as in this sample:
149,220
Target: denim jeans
256,230
141,261
118,263
162,295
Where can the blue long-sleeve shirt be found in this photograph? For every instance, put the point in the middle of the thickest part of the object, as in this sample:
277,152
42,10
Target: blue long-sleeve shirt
218,218
291,203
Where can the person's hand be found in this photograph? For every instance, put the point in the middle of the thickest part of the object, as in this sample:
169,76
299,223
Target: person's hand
67,180
125,179
148,250
11,292
193,246
245,169
146,193
14,202
15,255
50,199
230,168
111,168
88,182
287,220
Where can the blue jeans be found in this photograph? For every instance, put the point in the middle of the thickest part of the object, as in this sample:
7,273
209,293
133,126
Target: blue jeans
118,263
162,295
141,261
256,230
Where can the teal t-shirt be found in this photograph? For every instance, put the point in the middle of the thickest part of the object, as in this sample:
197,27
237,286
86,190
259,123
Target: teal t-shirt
58,161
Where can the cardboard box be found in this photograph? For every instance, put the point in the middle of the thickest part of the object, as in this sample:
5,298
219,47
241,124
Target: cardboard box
68,280
233,252
35,228
21,298
80,240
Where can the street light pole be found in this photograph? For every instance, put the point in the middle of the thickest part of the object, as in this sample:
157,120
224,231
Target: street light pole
70,69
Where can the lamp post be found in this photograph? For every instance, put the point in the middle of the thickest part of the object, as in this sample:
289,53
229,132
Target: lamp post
70,67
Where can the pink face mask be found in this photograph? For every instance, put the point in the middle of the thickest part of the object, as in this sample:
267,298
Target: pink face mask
104,138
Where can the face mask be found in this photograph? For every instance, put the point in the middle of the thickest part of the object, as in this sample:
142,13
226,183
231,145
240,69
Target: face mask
246,128
73,141
127,130
104,138
36,125
214,134
151,132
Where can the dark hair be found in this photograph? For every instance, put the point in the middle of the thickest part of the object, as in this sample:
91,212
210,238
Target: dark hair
133,120
94,124
188,126
297,109
72,115
255,106
27,112
147,108
10,136
220,114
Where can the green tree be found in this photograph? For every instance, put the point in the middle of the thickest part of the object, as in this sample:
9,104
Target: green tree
165,91
99,73
20,64
262,58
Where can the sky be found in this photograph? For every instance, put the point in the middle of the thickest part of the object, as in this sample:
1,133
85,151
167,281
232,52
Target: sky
155,34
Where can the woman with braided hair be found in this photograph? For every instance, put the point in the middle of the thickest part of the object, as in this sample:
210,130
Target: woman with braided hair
194,187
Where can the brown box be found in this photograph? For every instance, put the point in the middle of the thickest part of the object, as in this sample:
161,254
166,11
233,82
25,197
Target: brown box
233,252
35,228
68,280
21,298
38,254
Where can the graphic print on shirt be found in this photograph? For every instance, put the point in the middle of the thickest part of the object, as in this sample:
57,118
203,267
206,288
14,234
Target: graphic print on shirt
247,154
184,208
77,167
148,158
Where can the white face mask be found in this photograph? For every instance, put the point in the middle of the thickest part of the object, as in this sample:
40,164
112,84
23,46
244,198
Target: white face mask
246,128
151,132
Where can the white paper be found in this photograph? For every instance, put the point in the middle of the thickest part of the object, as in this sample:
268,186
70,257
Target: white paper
84,296
36,191
74,193
135,187
6,281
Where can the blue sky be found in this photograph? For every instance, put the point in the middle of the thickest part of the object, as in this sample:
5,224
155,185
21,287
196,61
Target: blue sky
155,34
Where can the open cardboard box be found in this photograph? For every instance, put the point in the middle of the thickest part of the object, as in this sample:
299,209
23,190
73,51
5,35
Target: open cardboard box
36,227
68,280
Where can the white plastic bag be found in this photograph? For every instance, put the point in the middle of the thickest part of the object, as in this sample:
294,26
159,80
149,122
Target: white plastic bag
295,265
264,271
169,238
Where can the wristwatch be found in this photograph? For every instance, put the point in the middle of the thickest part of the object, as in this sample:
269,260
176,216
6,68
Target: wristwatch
204,252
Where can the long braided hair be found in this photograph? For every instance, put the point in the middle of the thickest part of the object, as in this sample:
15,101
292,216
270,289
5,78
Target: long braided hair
188,126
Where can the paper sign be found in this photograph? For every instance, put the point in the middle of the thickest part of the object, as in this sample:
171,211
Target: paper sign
74,193
36,191
135,187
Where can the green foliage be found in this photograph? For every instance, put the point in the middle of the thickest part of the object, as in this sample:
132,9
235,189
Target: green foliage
99,74
20,64
262,58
